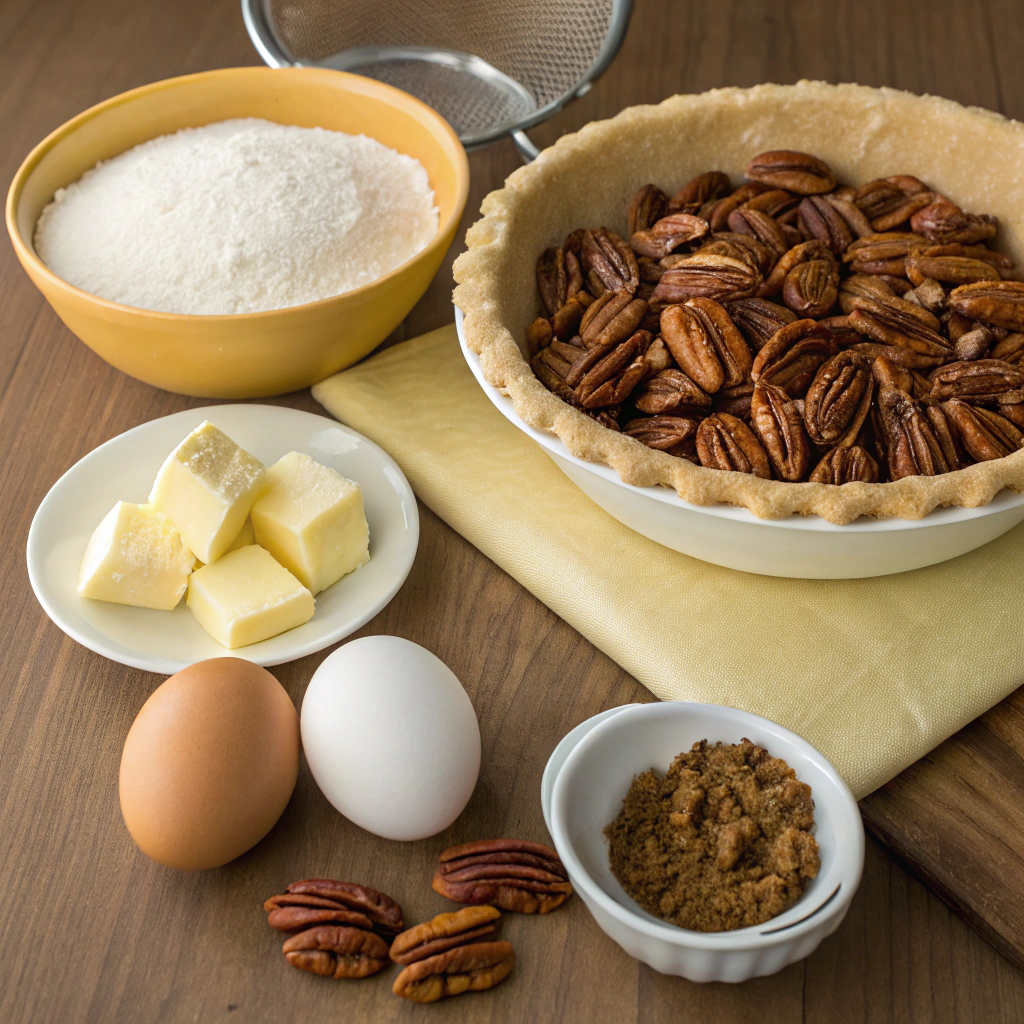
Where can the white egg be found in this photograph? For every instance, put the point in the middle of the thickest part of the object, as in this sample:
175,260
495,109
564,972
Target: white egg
391,737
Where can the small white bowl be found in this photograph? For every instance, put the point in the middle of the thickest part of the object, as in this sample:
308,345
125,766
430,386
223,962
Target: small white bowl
588,793
805,547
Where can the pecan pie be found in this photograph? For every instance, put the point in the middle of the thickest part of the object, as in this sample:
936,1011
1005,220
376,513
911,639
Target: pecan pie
799,324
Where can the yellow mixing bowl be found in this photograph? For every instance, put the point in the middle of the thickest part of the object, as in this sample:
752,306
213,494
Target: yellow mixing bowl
247,355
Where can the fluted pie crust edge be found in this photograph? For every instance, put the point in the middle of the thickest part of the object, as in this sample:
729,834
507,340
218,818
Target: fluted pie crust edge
974,156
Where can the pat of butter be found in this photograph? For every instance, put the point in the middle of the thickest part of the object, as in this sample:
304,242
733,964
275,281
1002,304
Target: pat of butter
247,596
310,518
206,487
135,557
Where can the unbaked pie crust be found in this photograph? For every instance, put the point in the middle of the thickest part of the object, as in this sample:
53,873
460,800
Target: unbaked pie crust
974,156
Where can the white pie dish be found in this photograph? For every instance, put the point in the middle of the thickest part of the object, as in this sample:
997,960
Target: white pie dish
587,794
805,547
123,469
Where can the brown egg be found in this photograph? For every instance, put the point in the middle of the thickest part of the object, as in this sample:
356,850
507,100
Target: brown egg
209,764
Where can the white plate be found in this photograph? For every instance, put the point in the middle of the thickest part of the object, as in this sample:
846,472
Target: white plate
123,470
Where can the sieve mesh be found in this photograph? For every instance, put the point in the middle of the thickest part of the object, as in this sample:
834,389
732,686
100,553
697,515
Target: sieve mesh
542,50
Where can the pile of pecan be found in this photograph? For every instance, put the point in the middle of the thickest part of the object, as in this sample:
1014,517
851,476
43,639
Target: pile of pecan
792,328
342,930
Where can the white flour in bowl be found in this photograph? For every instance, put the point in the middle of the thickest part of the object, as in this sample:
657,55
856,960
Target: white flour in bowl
237,217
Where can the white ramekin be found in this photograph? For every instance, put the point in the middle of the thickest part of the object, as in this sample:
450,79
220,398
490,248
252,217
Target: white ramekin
806,547
587,793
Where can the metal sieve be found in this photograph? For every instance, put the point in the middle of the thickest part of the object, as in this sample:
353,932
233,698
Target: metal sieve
490,67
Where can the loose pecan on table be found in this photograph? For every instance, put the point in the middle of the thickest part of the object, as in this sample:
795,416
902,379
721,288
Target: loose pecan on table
472,968
514,874
444,932
792,326
339,930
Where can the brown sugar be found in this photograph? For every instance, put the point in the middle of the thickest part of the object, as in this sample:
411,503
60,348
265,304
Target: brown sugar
723,841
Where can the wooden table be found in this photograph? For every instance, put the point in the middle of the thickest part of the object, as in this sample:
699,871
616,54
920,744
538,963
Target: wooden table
91,930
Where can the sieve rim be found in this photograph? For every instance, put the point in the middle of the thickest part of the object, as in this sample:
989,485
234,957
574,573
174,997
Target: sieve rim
257,24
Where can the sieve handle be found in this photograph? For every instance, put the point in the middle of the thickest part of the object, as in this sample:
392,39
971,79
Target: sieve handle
527,150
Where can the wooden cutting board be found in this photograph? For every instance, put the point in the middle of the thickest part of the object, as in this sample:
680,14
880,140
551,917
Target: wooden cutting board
956,818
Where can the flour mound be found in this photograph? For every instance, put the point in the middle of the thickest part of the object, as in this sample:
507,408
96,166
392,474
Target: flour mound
238,217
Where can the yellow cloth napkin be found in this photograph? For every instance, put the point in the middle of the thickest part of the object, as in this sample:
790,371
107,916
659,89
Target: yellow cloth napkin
874,672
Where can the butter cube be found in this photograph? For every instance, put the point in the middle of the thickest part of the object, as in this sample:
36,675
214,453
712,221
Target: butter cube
310,518
246,597
206,487
135,557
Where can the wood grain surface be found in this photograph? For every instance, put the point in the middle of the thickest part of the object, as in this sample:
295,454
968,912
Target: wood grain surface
93,931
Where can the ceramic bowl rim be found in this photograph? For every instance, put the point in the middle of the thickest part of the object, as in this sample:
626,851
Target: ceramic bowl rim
356,84
740,939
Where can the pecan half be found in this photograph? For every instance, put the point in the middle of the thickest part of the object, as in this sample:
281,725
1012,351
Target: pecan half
706,344
844,466
747,248
858,224
758,319
334,951
702,189
550,369
1010,349
725,442
444,932
667,234
647,206
795,172
820,219
981,380
472,968
538,335
811,288
995,302
611,318
672,434
383,911
802,253
888,373
943,221
774,202
668,391
890,320
791,358
566,321
513,874
707,274
609,261
780,428
748,220
838,400
552,282
910,442
888,200
985,434
949,441
611,379
938,265
882,253
721,208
